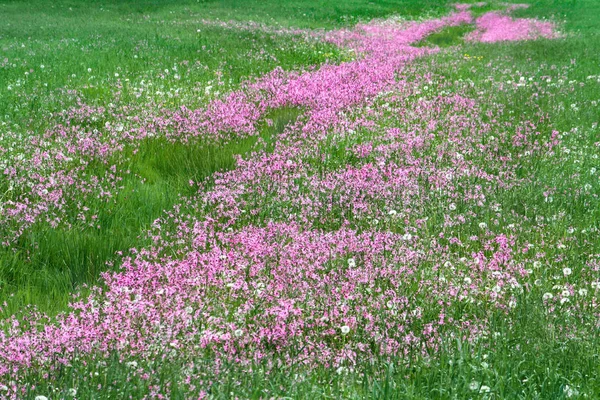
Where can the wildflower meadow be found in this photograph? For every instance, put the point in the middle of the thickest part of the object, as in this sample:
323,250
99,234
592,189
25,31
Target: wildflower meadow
295,199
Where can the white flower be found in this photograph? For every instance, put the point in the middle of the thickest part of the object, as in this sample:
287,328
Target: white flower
583,292
452,206
564,300
72,392
537,264
392,212
547,296
238,333
482,225
341,370
569,391
3,388
345,329
474,385
41,398
567,271
467,280
132,364
407,236
351,262
484,389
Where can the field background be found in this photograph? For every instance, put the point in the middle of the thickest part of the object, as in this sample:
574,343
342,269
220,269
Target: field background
56,55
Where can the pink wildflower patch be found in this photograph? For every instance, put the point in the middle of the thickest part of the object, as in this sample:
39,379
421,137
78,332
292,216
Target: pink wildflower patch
495,27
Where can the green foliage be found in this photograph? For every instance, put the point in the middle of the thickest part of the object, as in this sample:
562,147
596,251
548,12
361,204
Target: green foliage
450,36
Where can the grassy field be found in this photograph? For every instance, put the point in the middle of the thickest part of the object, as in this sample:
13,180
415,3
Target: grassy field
480,161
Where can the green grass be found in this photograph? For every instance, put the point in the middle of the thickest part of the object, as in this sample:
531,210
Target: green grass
528,359
451,36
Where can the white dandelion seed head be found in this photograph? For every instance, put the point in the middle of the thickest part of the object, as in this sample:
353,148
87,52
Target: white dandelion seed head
341,370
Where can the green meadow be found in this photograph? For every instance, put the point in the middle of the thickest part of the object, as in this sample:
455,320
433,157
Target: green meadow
57,55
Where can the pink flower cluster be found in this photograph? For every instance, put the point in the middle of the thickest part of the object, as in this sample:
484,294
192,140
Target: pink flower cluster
495,27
